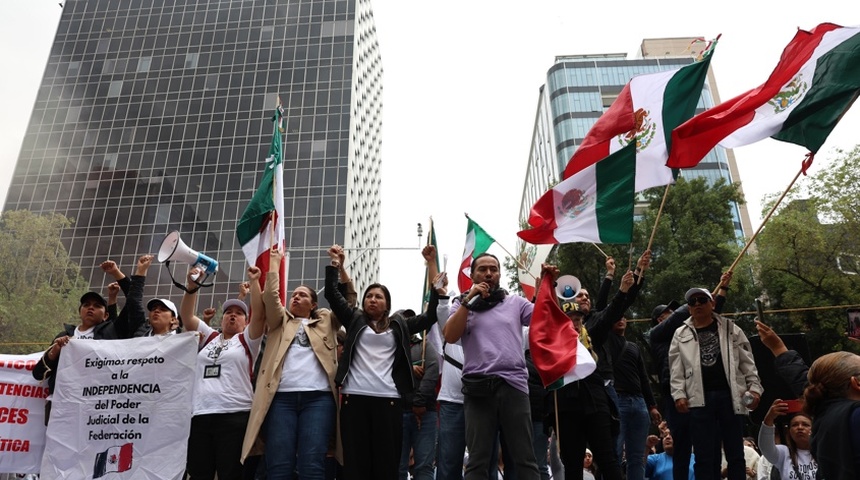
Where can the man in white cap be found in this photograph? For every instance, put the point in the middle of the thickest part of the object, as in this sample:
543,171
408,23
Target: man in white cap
713,377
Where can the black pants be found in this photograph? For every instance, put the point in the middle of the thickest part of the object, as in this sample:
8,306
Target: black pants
372,436
215,445
575,429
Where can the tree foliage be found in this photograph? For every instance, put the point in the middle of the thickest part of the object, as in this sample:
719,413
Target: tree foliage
808,255
40,286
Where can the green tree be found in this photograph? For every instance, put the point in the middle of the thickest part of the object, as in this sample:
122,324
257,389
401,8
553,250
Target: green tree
39,285
808,254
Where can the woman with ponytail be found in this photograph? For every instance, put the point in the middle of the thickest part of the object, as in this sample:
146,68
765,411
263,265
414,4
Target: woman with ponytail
832,397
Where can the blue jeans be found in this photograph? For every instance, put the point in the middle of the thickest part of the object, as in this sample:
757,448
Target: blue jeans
635,421
298,428
712,424
452,441
422,443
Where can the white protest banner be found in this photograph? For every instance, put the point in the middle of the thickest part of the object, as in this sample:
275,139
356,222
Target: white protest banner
22,414
121,406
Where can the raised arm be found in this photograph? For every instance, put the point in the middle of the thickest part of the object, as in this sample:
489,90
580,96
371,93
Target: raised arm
345,285
258,313
338,303
275,310
600,324
766,442
190,321
605,286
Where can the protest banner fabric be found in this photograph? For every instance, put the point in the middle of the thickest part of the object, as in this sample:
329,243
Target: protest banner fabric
22,403
122,406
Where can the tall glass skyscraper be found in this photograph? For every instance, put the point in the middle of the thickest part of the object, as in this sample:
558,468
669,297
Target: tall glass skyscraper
579,88
155,116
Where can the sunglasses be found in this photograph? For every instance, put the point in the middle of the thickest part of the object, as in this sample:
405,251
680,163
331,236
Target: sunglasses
701,300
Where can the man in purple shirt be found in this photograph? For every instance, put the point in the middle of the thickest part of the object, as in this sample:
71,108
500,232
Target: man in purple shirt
488,323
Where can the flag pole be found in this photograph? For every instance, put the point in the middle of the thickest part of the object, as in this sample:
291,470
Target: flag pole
807,162
557,433
599,250
654,230
274,177
428,284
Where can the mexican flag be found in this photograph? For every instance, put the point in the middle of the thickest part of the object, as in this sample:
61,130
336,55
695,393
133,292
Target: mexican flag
477,242
262,224
529,263
814,84
594,205
559,356
645,112
114,459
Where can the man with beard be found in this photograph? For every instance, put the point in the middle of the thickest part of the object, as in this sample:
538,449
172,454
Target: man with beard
488,323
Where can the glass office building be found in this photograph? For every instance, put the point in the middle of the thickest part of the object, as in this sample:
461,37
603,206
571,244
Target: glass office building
156,116
579,88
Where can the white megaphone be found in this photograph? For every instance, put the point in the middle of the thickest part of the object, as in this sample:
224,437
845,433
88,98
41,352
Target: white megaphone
566,287
173,249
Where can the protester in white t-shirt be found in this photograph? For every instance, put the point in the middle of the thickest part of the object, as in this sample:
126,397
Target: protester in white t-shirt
296,413
794,460
223,383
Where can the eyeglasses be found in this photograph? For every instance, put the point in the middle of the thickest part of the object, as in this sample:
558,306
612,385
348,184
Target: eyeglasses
700,300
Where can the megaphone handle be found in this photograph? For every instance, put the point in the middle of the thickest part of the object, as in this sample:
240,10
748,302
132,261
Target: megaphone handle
201,284
181,286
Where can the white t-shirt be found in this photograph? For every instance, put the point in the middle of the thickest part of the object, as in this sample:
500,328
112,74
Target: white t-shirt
231,390
302,370
779,456
451,387
372,365
85,334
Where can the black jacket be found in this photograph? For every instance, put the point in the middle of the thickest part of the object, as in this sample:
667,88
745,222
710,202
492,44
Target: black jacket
354,321
116,327
831,440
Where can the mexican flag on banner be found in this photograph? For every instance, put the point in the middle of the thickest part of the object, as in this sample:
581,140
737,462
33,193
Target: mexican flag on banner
558,355
262,224
815,82
477,242
594,205
645,112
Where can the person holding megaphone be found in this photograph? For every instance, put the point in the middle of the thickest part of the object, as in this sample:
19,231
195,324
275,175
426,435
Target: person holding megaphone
223,381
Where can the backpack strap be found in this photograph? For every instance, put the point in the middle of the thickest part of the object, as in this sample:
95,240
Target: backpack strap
212,336
248,354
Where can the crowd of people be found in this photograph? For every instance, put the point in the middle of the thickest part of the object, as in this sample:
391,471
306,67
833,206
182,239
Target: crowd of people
287,390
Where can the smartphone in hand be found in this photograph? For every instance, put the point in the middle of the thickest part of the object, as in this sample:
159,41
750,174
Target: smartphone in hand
794,406
853,328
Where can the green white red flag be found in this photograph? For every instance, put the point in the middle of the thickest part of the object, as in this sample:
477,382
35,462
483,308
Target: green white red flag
815,82
645,112
594,205
262,223
529,263
478,241
558,355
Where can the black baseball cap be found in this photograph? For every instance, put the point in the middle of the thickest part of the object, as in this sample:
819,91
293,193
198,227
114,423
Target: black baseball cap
94,296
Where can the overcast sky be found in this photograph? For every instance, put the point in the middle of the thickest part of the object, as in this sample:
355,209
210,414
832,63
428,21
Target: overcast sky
460,93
